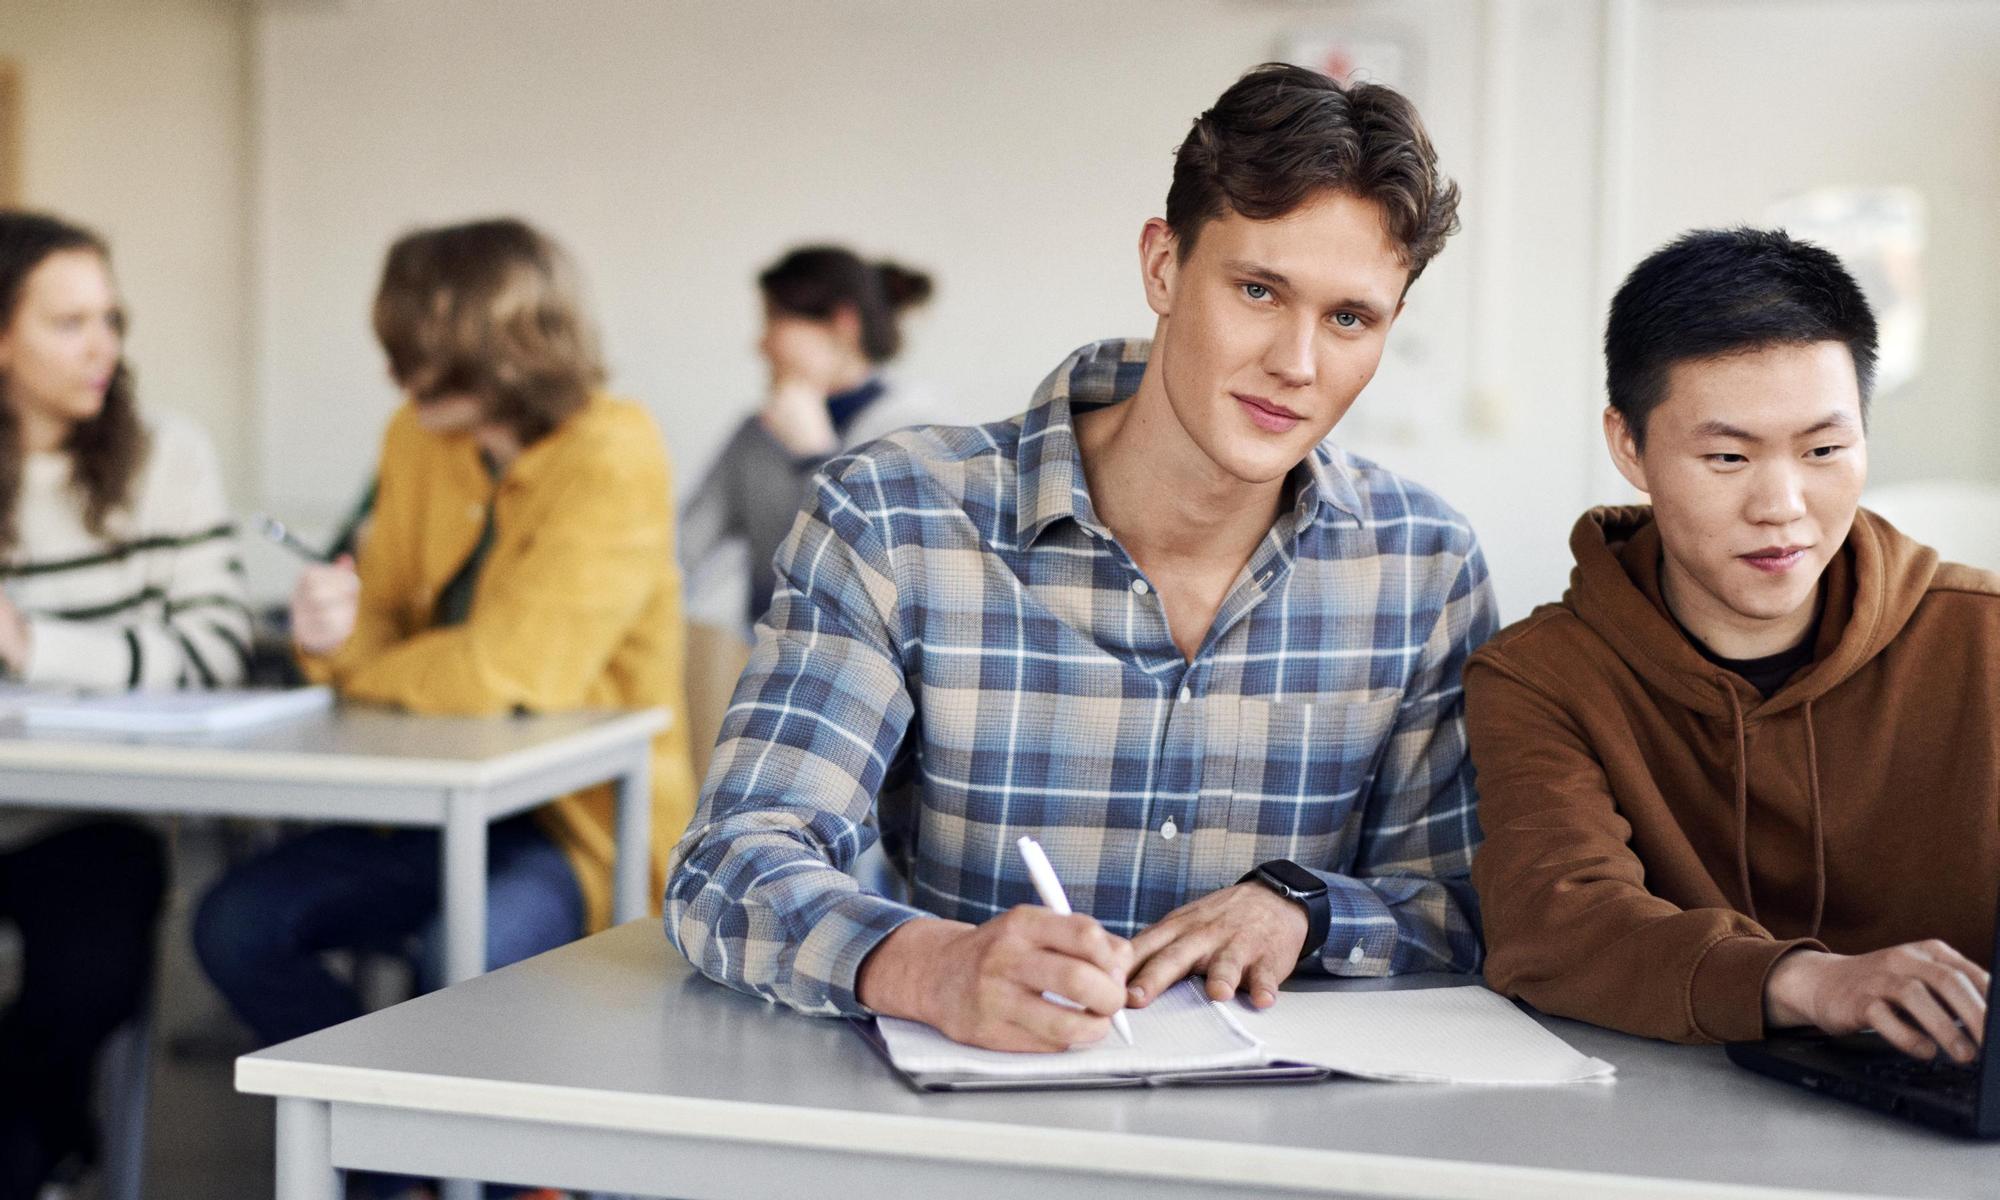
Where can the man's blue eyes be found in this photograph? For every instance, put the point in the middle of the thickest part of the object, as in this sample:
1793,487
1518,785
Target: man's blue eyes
1260,293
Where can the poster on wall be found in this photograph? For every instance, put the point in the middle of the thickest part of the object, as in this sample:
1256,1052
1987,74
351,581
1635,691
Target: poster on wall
1363,59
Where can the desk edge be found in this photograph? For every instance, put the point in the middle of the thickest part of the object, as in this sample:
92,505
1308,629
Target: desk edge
1133,1156
223,762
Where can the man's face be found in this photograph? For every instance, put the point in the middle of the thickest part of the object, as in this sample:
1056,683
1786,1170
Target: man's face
1269,329
1754,463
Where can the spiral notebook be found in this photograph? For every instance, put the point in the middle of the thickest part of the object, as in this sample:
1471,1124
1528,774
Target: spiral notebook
1464,1034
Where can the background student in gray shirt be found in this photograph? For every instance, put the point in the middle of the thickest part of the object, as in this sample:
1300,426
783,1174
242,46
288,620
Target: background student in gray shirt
830,327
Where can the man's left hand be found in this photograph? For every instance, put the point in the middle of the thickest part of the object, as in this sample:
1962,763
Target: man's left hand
1246,937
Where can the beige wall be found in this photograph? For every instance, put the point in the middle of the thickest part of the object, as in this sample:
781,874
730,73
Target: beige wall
1014,148
1745,104
1011,146
135,122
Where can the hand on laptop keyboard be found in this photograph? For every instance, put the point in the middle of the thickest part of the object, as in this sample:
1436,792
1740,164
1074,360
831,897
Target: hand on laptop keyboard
1923,998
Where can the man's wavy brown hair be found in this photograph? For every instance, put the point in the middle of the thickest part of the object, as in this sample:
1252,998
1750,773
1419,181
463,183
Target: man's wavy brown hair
107,451
490,309
1282,133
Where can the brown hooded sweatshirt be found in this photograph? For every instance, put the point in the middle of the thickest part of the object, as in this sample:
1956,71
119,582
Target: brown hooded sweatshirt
1658,833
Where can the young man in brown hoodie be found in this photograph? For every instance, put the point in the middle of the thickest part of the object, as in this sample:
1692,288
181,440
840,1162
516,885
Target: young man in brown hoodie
1744,775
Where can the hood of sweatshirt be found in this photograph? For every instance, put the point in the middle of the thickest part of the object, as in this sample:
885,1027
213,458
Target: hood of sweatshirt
1869,592
1871,588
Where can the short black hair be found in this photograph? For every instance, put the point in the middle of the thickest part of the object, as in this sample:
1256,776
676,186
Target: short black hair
1716,292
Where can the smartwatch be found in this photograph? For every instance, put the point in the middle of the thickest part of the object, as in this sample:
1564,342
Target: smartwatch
1301,886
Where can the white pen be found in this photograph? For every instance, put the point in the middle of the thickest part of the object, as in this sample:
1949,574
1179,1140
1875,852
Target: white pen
1050,889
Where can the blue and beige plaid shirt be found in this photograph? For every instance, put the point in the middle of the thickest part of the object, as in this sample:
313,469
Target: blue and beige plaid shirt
959,653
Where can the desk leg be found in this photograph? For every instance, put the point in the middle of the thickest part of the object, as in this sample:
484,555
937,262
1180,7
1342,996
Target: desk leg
305,1151
631,898
464,887
461,1189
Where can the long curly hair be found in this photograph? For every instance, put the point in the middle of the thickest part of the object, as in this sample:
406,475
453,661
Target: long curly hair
106,451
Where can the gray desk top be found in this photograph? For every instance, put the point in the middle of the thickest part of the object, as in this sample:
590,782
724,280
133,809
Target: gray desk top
618,1032
346,744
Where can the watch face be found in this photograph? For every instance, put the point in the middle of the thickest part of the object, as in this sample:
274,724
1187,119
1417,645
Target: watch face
1294,876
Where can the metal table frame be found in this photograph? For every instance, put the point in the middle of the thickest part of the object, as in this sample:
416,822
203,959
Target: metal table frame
318,768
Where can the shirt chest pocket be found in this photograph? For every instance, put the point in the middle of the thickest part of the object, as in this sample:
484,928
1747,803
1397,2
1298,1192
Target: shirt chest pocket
1301,772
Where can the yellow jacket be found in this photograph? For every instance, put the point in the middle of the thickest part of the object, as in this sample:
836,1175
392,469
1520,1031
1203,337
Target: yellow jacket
577,605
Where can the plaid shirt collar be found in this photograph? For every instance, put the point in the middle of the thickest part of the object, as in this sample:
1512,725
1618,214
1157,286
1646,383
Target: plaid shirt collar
1052,483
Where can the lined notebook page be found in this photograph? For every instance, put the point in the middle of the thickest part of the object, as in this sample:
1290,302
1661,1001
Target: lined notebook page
1180,1031
1432,1035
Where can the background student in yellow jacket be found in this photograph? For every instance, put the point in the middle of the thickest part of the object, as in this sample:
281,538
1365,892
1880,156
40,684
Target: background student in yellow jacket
520,557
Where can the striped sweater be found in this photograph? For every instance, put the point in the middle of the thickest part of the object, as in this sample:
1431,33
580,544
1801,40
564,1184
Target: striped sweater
157,600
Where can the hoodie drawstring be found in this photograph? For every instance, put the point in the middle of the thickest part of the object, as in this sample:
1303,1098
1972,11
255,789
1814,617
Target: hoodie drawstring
1742,797
1818,825
1817,816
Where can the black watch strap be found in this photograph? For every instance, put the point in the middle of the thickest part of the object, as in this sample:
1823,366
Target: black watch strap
1304,888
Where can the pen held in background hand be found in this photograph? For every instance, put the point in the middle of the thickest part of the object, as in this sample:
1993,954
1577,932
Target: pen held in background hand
1050,889
276,530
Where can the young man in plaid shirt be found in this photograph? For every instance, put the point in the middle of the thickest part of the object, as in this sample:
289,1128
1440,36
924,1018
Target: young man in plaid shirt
1208,660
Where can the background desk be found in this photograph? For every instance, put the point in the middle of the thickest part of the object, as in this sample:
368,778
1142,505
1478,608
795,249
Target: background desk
609,1065
367,766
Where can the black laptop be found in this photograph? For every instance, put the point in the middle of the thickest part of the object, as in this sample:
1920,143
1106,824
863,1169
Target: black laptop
1864,1069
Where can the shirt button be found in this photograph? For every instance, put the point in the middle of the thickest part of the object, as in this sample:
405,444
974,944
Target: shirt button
1355,955
1141,586
1088,531
1169,830
474,512
1187,694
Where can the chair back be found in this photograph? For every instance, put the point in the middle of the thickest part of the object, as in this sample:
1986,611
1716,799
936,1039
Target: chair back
716,656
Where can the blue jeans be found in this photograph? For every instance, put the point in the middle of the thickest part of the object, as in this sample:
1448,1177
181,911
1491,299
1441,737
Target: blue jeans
261,929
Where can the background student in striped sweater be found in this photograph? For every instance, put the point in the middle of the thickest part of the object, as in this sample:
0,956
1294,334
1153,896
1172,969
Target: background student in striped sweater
117,570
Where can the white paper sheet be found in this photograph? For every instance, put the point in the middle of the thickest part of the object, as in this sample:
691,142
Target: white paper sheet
216,711
1467,1035
1429,1035
1181,1031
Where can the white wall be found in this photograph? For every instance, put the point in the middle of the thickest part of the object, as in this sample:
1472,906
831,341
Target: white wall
136,123
1013,148
1743,104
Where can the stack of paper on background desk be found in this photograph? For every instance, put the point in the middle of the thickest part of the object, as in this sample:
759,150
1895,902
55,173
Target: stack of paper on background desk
1432,1035
220,710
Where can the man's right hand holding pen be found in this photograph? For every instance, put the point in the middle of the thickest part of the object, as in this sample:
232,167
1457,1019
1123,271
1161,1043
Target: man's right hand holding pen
982,984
